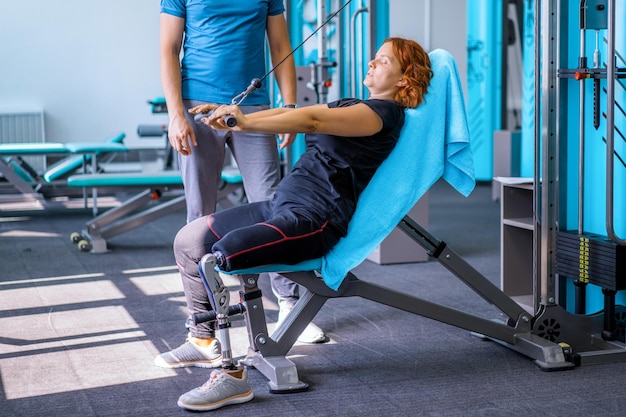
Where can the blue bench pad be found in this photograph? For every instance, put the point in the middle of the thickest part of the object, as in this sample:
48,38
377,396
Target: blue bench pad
125,179
95,147
308,265
71,163
139,179
30,148
231,175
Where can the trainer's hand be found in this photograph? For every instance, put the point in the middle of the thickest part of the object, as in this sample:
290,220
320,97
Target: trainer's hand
286,139
181,136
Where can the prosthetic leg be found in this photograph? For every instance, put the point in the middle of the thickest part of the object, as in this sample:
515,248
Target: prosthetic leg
219,298
281,372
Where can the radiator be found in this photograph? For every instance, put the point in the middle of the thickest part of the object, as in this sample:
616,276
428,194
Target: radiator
24,126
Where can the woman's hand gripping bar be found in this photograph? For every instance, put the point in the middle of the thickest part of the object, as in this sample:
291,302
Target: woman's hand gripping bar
206,110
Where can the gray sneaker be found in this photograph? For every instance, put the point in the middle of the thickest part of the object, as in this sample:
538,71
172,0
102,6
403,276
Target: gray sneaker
222,388
190,354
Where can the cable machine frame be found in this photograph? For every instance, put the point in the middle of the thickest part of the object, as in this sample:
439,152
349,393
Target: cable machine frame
586,334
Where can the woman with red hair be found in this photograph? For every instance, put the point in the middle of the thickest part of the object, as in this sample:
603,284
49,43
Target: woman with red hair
346,140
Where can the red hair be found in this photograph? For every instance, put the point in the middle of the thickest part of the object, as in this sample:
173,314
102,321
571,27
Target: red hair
415,66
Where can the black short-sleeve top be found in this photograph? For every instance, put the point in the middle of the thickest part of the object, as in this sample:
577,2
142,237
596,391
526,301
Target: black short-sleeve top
328,178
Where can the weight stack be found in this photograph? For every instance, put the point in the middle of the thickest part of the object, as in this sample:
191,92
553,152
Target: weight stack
591,259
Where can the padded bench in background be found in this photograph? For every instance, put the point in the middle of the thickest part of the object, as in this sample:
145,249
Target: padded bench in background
33,186
69,165
160,195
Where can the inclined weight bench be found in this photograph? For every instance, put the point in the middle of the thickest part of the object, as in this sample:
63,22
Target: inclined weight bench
434,144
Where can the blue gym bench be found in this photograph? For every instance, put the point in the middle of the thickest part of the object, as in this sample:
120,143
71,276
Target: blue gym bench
65,167
160,196
25,184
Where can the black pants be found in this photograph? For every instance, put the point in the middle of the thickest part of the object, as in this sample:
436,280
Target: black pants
258,234
250,235
254,234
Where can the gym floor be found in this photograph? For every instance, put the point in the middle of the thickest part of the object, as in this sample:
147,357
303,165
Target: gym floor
79,332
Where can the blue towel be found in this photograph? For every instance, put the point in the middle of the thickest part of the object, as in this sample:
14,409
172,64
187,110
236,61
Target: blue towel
434,143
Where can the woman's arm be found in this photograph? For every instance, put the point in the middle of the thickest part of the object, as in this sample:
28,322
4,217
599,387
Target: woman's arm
356,120
206,108
284,139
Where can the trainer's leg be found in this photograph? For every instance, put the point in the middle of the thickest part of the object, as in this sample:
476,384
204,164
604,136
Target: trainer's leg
201,170
257,158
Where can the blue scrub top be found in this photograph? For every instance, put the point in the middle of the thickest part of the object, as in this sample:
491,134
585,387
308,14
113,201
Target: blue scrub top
224,47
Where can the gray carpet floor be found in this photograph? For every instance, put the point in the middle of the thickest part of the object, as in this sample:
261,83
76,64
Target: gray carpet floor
79,332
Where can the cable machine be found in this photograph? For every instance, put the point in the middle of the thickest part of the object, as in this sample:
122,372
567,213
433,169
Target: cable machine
559,252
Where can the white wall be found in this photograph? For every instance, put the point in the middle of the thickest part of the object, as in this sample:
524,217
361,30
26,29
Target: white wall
91,65
434,24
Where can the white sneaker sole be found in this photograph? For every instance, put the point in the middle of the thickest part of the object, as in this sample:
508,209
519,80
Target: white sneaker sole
238,399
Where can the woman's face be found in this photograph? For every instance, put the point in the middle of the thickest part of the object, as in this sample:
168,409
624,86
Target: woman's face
384,75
